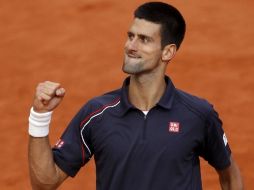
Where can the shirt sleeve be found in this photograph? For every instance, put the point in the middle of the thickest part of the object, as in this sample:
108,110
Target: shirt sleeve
69,153
216,149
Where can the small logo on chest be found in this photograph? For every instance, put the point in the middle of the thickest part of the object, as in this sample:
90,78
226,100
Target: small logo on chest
174,127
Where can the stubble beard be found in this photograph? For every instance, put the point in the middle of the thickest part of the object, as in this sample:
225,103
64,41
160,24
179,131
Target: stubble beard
132,68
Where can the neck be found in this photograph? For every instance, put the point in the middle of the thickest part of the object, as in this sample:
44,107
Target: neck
146,91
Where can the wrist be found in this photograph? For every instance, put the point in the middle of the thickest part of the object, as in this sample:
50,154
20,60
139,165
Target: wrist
39,123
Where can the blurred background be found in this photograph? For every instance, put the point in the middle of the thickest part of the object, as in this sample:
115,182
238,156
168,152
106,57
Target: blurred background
80,44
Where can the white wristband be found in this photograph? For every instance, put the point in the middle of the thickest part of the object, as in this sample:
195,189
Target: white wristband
39,123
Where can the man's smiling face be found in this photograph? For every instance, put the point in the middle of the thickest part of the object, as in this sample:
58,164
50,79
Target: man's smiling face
143,47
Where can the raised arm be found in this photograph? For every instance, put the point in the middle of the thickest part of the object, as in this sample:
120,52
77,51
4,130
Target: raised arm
230,178
44,173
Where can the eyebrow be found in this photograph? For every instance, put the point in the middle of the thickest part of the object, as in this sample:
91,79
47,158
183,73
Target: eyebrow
145,36
141,35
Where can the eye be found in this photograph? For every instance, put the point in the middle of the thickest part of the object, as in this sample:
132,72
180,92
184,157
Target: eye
144,39
130,35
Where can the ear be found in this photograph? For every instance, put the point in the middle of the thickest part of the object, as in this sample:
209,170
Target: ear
168,52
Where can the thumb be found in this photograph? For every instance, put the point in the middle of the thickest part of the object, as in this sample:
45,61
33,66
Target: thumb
60,92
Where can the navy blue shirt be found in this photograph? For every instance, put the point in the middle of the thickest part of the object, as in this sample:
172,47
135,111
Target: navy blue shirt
134,151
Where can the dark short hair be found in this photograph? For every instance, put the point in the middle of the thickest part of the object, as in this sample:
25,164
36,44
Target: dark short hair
171,20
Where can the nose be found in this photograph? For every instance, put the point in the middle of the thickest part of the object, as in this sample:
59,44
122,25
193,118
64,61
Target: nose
132,44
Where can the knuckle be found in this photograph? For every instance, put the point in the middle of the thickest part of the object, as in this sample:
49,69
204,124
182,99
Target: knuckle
38,88
40,85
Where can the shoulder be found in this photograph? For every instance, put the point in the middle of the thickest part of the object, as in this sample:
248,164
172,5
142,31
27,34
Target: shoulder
195,104
111,98
106,99
97,105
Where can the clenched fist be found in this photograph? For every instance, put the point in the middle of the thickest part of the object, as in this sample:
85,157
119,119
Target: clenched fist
48,96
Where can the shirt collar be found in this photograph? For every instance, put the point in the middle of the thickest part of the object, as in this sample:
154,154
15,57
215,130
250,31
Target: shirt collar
125,103
166,100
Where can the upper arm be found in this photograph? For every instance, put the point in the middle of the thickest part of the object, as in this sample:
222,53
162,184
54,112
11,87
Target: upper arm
218,154
70,152
230,177
215,148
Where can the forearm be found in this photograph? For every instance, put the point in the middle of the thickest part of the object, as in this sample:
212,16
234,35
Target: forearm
43,172
230,178
234,184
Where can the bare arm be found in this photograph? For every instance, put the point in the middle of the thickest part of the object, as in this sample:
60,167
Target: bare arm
230,178
44,173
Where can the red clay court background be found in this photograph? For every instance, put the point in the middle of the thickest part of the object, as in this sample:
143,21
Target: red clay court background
80,44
